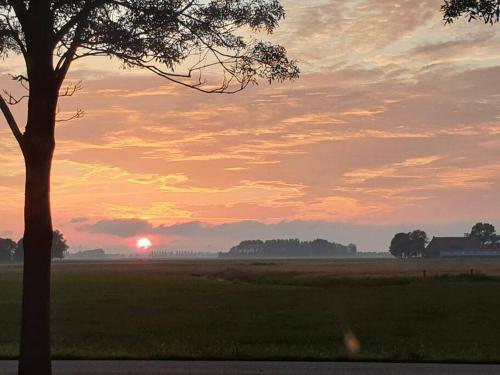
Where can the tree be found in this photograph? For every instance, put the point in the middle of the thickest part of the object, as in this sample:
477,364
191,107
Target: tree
59,245
486,10
400,245
409,245
485,233
162,36
7,247
58,248
418,240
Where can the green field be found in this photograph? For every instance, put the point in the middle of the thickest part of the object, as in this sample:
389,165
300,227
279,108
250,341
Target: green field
267,310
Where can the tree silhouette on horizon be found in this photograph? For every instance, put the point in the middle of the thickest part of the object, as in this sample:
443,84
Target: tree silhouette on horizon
215,37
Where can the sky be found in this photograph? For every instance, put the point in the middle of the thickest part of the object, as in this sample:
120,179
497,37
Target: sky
393,125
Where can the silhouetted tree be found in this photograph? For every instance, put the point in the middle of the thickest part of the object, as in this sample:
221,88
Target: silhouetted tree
400,245
409,245
485,233
290,248
418,240
486,10
58,248
59,245
161,36
7,247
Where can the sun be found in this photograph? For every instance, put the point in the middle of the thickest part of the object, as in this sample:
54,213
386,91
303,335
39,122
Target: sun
144,244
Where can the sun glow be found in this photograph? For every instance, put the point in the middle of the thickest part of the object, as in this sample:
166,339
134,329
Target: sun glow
144,244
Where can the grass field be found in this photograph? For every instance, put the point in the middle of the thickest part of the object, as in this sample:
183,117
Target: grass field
267,309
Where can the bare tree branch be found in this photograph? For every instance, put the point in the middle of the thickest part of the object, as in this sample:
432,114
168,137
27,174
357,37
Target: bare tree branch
71,89
13,100
23,80
78,114
11,121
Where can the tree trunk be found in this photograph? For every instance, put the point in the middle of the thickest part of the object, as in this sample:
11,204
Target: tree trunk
37,241
38,145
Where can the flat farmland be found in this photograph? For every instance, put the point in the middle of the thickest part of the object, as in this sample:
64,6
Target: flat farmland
331,309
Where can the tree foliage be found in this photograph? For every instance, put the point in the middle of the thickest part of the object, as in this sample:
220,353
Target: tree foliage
486,233
409,245
179,40
486,10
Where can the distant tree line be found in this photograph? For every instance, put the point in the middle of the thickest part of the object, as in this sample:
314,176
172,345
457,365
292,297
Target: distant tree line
11,251
182,254
91,254
290,248
413,244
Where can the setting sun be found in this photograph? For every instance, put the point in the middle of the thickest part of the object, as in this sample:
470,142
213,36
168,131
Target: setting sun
144,244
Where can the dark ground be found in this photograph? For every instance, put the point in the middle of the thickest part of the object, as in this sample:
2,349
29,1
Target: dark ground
366,310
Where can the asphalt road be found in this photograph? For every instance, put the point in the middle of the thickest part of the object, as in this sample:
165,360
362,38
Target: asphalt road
253,368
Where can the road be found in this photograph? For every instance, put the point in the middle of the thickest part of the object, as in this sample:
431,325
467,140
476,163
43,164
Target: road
253,368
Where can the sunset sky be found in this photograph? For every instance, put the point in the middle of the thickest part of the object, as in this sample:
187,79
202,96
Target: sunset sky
393,125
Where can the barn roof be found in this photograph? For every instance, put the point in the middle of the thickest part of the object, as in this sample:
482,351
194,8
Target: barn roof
454,243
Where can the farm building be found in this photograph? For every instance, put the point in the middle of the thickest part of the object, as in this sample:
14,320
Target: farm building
456,247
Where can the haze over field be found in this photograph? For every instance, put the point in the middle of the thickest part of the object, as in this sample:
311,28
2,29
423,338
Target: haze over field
394,124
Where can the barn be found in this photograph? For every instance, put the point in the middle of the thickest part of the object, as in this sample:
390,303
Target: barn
459,247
